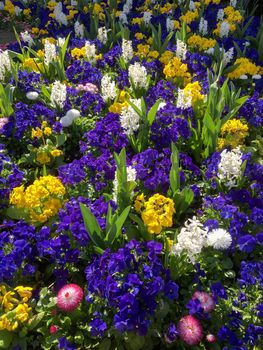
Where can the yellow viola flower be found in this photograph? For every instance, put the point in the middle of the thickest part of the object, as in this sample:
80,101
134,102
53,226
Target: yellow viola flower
22,312
157,213
38,133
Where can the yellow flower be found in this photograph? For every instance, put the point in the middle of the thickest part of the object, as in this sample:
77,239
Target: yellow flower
24,292
200,42
189,16
8,301
42,199
137,20
47,131
43,158
143,50
35,30
139,202
193,89
78,53
22,311
177,70
26,12
117,107
233,134
40,53
32,64
139,36
166,8
6,324
38,133
10,8
56,153
158,213
245,66
166,57
17,197
153,54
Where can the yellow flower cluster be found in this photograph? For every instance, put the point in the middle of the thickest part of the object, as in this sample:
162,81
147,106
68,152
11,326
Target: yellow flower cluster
156,213
45,153
178,71
42,199
189,16
233,134
10,8
14,305
201,43
144,52
33,64
166,57
121,103
245,67
193,90
78,53
232,17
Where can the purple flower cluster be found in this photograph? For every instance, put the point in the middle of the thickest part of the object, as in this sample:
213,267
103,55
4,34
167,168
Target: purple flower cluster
128,285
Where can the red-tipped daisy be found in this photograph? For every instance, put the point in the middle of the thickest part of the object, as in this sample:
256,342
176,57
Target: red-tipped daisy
53,329
190,330
211,338
205,299
69,297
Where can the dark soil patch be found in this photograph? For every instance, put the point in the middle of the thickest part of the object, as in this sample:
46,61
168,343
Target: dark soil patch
6,36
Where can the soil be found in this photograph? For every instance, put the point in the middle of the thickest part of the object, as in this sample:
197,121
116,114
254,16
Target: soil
6,36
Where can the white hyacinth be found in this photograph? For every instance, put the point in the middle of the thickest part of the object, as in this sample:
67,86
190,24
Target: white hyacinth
5,64
27,38
131,176
138,75
58,94
233,3
229,167
192,6
129,118
60,42
243,77
50,53
108,88
256,76
169,24
18,10
90,52
220,15
103,34
191,239
203,26
123,18
228,56
181,49
127,6
79,29
127,50
147,17
224,29
2,5
219,239
60,17
184,99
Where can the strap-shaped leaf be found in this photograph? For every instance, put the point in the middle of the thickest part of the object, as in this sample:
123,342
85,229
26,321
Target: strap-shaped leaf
174,172
91,225
152,112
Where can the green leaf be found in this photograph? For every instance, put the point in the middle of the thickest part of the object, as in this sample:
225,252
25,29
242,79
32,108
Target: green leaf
16,213
115,229
174,172
92,226
35,320
5,339
152,112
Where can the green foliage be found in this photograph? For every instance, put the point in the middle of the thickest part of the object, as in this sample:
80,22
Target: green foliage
6,100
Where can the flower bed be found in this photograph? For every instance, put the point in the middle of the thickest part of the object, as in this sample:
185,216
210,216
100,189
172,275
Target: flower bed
131,175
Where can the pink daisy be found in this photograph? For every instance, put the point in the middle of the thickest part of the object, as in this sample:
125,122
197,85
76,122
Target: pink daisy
205,299
69,297
211,338
190,330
